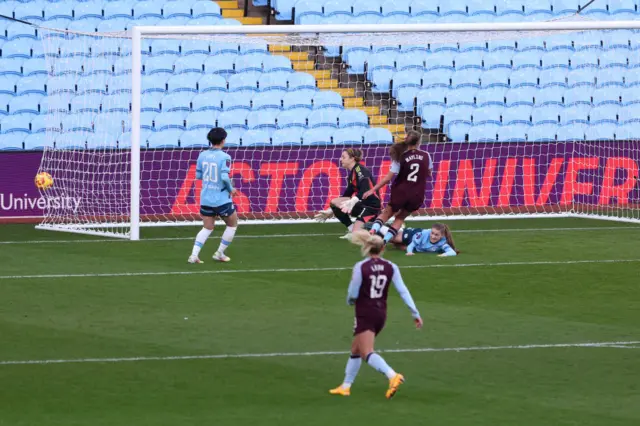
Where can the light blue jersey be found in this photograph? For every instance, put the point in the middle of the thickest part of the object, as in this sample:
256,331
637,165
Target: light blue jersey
421,243
213,168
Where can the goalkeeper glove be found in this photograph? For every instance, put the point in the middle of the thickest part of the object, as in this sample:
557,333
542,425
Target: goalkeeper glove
347,206
323,215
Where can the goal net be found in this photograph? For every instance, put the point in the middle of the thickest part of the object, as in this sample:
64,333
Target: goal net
543,121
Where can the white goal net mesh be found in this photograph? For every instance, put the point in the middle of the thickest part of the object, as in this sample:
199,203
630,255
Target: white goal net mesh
517,123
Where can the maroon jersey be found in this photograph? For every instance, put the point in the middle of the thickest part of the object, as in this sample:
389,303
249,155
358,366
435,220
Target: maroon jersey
375,276
408,189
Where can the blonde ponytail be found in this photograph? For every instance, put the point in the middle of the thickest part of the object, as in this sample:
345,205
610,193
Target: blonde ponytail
370,244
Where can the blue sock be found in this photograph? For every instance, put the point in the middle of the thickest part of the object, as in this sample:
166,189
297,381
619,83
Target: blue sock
351,371
391,233
377,362
376,226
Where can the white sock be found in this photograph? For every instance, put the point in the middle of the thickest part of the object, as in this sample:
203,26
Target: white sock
384,229
350,227
227,237
201,238
377,362
351,371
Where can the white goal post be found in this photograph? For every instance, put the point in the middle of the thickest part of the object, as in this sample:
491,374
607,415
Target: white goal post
287,182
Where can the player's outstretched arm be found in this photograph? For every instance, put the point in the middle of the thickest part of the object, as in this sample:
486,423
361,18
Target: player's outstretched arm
354,285
404,293
384,181
448,251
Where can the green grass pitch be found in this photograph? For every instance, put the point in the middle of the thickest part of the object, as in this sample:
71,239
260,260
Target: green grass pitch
518,285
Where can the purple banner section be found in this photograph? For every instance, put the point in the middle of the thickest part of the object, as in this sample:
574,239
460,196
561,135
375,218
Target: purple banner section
292,181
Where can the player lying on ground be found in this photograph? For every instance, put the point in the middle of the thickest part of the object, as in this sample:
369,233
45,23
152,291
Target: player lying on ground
353,203
368,291
438,239
412,167
215,196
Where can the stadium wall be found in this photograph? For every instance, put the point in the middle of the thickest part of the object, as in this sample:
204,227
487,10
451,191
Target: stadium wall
293,182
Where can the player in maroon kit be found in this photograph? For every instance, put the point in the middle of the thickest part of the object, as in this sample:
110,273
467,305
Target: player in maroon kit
368,291
412,167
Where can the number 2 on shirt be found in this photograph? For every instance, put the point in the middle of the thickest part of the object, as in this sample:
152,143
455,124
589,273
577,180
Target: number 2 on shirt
415,168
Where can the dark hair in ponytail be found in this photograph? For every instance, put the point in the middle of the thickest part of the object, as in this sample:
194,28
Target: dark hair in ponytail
354,153
444,229
412,139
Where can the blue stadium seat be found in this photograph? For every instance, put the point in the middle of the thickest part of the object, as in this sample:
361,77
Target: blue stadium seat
323,118
114,25
195,47
222,64
366,7
334,8
176,9
245,82
236,101
13,66
442,59
29,12
622,6
526,59
543,133
158,65
169,138
424,7
406,79
491,96
31,85
170,120
488,114
205,8
629,131
19,48
431,104
327,99
88,25
530,44
195,138
520,114
273,82
283,9
547,114
458,131
588,41
308,11
177,101
203,120
287,137
631,78
249,63
36,141
234,119
501,45
466,78
320,136
43,122
604,114
481,8
437,78
26,104
617,39
549,96
159,47
117,10
396,7
378,135
578,113
353,118
102,141
293,118
297,100
207,83
459,113
73,140
556,59
614,59
380,70
583,77
349,135
525,77
496,78
601,132
577,96
186,83
511,8
92,84
462,96
210,101
271,100
154,83
355,57
146,9
564,7
262,120
468,60
256,138
453,8
629,114
585,59
79,122
192,64
556,77
86,103
560,42
15,124
114,123
272,63
484,133
301,81
513,133
606,96
498,59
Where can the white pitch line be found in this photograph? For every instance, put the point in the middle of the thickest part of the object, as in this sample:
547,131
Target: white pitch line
461,231
338,268
321,353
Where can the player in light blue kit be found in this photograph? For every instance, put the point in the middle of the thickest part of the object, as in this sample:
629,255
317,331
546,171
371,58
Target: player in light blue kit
438,239
215,197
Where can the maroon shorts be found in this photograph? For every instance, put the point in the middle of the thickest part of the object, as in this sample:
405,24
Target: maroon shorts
372,322
406,201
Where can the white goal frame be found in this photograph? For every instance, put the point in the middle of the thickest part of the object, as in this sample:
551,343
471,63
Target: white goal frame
137,33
